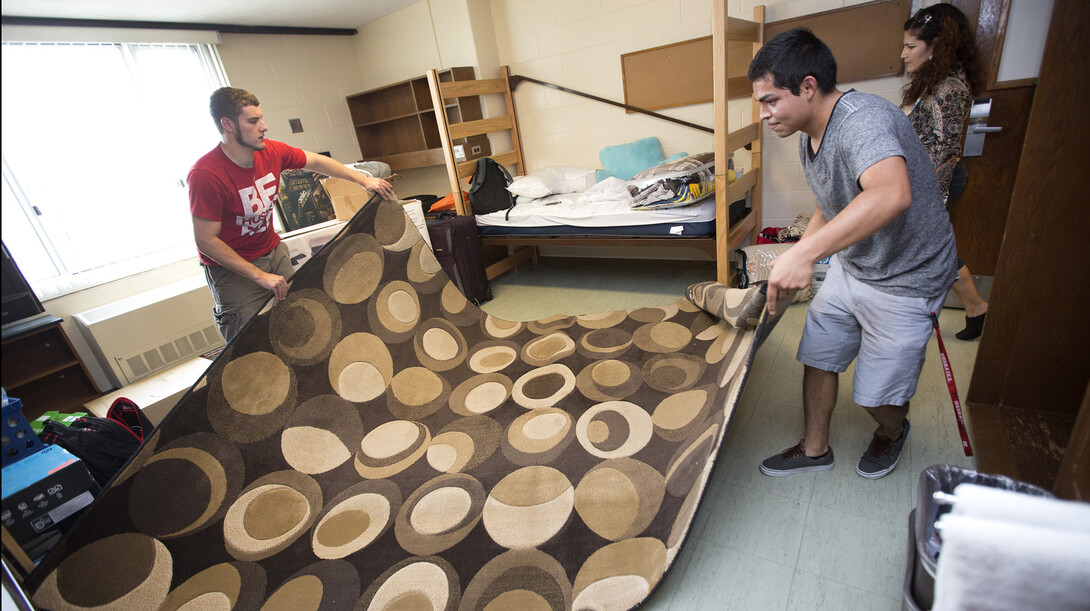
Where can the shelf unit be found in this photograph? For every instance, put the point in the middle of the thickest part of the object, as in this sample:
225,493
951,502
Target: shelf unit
41,368
397,125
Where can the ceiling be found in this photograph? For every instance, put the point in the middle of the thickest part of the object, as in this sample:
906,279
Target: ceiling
321,14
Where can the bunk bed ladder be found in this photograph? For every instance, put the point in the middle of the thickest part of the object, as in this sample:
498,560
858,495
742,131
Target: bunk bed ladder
727,29
451,132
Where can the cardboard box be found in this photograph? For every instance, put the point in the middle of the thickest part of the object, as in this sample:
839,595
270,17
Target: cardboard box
347,196
39,423
43,494
305,243
415,210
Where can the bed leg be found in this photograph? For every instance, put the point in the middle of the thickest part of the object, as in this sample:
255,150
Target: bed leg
509,263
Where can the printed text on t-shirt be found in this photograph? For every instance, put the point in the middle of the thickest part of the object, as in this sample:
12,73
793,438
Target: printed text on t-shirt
257,205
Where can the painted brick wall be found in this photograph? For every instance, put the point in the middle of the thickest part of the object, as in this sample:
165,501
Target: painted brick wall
578,44
300,77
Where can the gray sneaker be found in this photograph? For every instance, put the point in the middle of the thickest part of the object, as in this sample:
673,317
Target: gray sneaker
794,460
882,455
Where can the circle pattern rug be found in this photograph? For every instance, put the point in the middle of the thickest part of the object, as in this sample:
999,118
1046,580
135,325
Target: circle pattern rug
375,441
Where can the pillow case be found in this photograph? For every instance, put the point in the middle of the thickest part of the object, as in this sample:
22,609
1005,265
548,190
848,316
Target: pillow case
676,156
626,160
553,180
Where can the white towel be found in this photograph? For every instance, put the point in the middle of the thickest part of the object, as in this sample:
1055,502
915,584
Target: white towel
985,502
997,566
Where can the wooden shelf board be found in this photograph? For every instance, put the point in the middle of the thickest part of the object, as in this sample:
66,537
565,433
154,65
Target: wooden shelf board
390,119
41,374
414,159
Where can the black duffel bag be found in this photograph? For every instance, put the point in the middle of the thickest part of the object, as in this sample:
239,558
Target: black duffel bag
103,444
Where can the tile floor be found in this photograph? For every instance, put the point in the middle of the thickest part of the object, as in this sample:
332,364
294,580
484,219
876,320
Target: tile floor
827,540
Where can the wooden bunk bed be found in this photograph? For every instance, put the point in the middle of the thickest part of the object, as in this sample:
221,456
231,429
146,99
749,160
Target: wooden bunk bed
728,236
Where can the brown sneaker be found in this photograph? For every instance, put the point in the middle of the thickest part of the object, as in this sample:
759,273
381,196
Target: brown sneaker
794,460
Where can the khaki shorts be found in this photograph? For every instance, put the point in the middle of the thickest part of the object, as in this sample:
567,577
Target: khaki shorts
888,333
238,299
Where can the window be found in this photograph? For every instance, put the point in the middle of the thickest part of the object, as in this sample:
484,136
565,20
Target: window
97,141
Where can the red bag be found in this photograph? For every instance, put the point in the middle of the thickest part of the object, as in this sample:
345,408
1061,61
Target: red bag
769,235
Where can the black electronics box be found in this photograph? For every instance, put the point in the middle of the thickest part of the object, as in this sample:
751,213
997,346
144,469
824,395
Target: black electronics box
43,495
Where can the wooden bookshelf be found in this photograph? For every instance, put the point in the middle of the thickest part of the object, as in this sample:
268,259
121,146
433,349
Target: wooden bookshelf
396,124
42,369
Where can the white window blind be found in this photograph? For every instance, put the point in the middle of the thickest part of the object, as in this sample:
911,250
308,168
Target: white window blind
97,141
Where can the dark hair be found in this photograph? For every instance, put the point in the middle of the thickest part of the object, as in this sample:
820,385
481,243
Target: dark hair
228,102
792,56
946,30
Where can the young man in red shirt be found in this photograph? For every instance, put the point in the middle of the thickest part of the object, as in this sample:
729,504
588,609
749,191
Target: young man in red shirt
231,194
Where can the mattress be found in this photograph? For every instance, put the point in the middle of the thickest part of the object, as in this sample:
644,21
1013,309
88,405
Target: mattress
572,210
686,230
688,222
608,209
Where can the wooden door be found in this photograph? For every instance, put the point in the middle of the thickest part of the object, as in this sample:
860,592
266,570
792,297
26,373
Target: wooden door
980,215
1032,368
1073,480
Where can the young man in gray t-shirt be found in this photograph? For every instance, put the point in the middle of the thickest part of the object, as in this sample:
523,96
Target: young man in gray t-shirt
880,211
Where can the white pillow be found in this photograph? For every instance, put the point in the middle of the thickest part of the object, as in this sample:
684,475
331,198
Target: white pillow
553,180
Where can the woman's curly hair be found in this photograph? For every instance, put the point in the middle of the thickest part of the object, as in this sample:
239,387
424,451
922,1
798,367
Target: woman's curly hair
953,45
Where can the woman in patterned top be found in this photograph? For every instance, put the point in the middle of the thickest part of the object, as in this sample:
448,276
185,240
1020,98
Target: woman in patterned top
940,58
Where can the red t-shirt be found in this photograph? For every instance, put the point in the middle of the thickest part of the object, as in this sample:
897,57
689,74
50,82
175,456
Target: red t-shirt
242,199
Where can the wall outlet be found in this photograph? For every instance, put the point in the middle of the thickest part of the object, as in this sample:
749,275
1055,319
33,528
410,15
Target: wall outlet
475,150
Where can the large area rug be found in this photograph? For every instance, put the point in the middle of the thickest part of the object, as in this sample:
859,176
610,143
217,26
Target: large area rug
375,441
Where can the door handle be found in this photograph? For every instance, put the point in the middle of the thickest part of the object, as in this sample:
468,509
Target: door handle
978,127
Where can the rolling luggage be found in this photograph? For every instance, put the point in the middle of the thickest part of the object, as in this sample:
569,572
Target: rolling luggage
458,247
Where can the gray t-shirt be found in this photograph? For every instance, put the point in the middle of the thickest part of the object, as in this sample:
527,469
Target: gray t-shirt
915,254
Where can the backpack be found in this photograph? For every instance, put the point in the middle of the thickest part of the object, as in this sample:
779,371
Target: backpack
103,444
488,187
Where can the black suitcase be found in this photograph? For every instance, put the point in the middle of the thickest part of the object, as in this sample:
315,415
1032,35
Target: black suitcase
458,247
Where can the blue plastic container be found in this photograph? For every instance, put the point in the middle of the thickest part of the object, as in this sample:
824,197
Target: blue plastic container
19,440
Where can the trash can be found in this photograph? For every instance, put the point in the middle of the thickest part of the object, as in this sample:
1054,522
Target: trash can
924,543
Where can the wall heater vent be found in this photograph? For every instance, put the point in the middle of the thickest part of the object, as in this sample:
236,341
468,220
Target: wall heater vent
169,352
149,332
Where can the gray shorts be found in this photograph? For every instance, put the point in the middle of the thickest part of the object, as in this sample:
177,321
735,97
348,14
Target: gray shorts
238,298
888,333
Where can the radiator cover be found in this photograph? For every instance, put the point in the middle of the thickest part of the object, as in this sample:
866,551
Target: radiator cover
151,331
